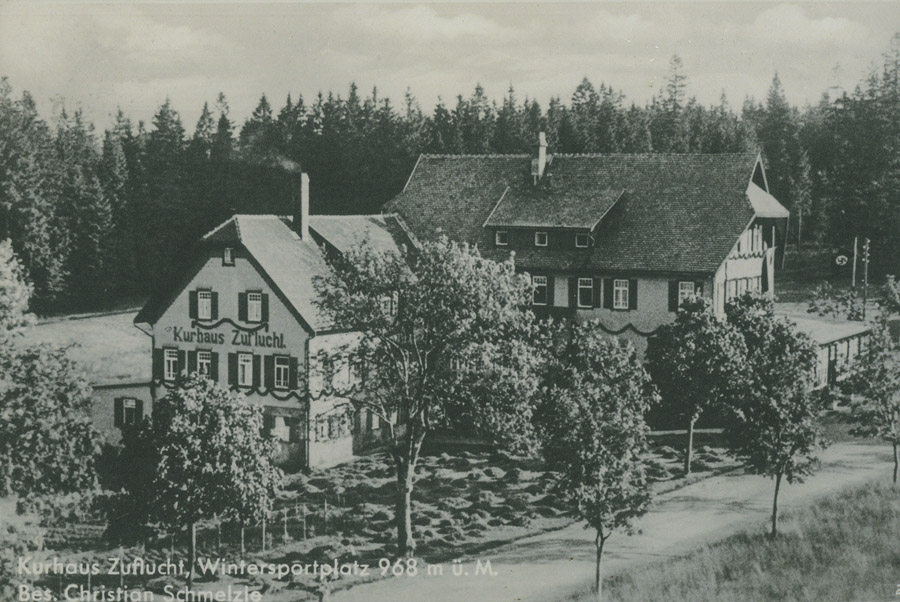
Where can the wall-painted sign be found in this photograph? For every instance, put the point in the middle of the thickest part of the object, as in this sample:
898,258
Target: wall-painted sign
271,340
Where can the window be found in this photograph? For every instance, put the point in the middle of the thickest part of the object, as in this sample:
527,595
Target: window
540,239
245,369
586,292
282,371
204,305
228,256
582,241
540,290
501,238
685,290
620,294
170,364
129,411
389,303
356,369
204,363
254,307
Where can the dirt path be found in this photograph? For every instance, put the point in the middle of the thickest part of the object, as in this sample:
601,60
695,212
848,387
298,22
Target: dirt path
555,565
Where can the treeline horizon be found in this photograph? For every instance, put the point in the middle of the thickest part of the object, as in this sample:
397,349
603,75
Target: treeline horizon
98,218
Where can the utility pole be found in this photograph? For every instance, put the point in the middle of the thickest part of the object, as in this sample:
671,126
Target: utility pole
865,276
855,241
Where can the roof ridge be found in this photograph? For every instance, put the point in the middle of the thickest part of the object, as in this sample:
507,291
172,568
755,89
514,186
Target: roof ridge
692,154
220,226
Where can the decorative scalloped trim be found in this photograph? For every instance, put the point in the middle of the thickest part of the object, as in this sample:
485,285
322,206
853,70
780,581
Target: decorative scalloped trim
260,326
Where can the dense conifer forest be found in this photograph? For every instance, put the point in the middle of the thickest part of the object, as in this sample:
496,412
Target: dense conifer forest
97,218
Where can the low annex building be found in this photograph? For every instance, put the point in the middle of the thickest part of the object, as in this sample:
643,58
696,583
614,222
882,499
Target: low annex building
243,314
617,237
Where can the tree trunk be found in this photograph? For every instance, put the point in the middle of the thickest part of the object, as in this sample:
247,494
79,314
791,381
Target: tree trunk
242,541
405,544
775,507
896,462
192,553
598,581
689,452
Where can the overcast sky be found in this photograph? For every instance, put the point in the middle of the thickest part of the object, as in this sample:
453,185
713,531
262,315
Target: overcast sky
102,56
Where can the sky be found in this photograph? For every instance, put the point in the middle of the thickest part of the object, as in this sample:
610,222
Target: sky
103,56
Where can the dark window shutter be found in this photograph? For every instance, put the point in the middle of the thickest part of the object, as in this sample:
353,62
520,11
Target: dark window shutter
257,368
550,289
698,289
157,364
632,294
232,369
573,291
214,312
192,305
192,361
265,308
118,412
182,361
292,375
138,410
673,295
607,293
598,289
268,422
242,307
269,363
214,367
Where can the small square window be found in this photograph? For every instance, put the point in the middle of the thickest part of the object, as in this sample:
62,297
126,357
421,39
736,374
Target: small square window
685,290
582,241
501,238
540,239
228,256
620,294
204,305
254,307
540,290
585,292
245,370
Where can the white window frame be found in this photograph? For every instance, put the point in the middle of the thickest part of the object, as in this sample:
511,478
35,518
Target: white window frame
281,375
585,237
129,403
584,284
170,364
254,306
245,370
537,237
621,294
204,304
537,282
686,289
501,238
228,256
204,363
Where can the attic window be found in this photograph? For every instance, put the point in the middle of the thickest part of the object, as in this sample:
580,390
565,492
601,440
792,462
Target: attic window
501,238
582,241
540,239
228,256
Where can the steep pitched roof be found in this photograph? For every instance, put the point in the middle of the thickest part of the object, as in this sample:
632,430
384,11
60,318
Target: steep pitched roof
678,212
289,262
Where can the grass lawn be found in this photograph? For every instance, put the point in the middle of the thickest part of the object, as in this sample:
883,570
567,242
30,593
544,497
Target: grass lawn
842,548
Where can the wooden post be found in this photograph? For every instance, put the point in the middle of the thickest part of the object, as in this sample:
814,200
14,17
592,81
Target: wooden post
284,519
325,509
865,277
855,244
264,531
304,521
242,540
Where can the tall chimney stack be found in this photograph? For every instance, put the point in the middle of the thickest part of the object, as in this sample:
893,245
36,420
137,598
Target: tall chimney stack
539,161
301,209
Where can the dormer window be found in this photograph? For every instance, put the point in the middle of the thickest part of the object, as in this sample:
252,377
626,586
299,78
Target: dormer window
501,238
540,239
228,256
582,241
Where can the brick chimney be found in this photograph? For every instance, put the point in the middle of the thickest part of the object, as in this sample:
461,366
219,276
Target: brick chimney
539,160
301,209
